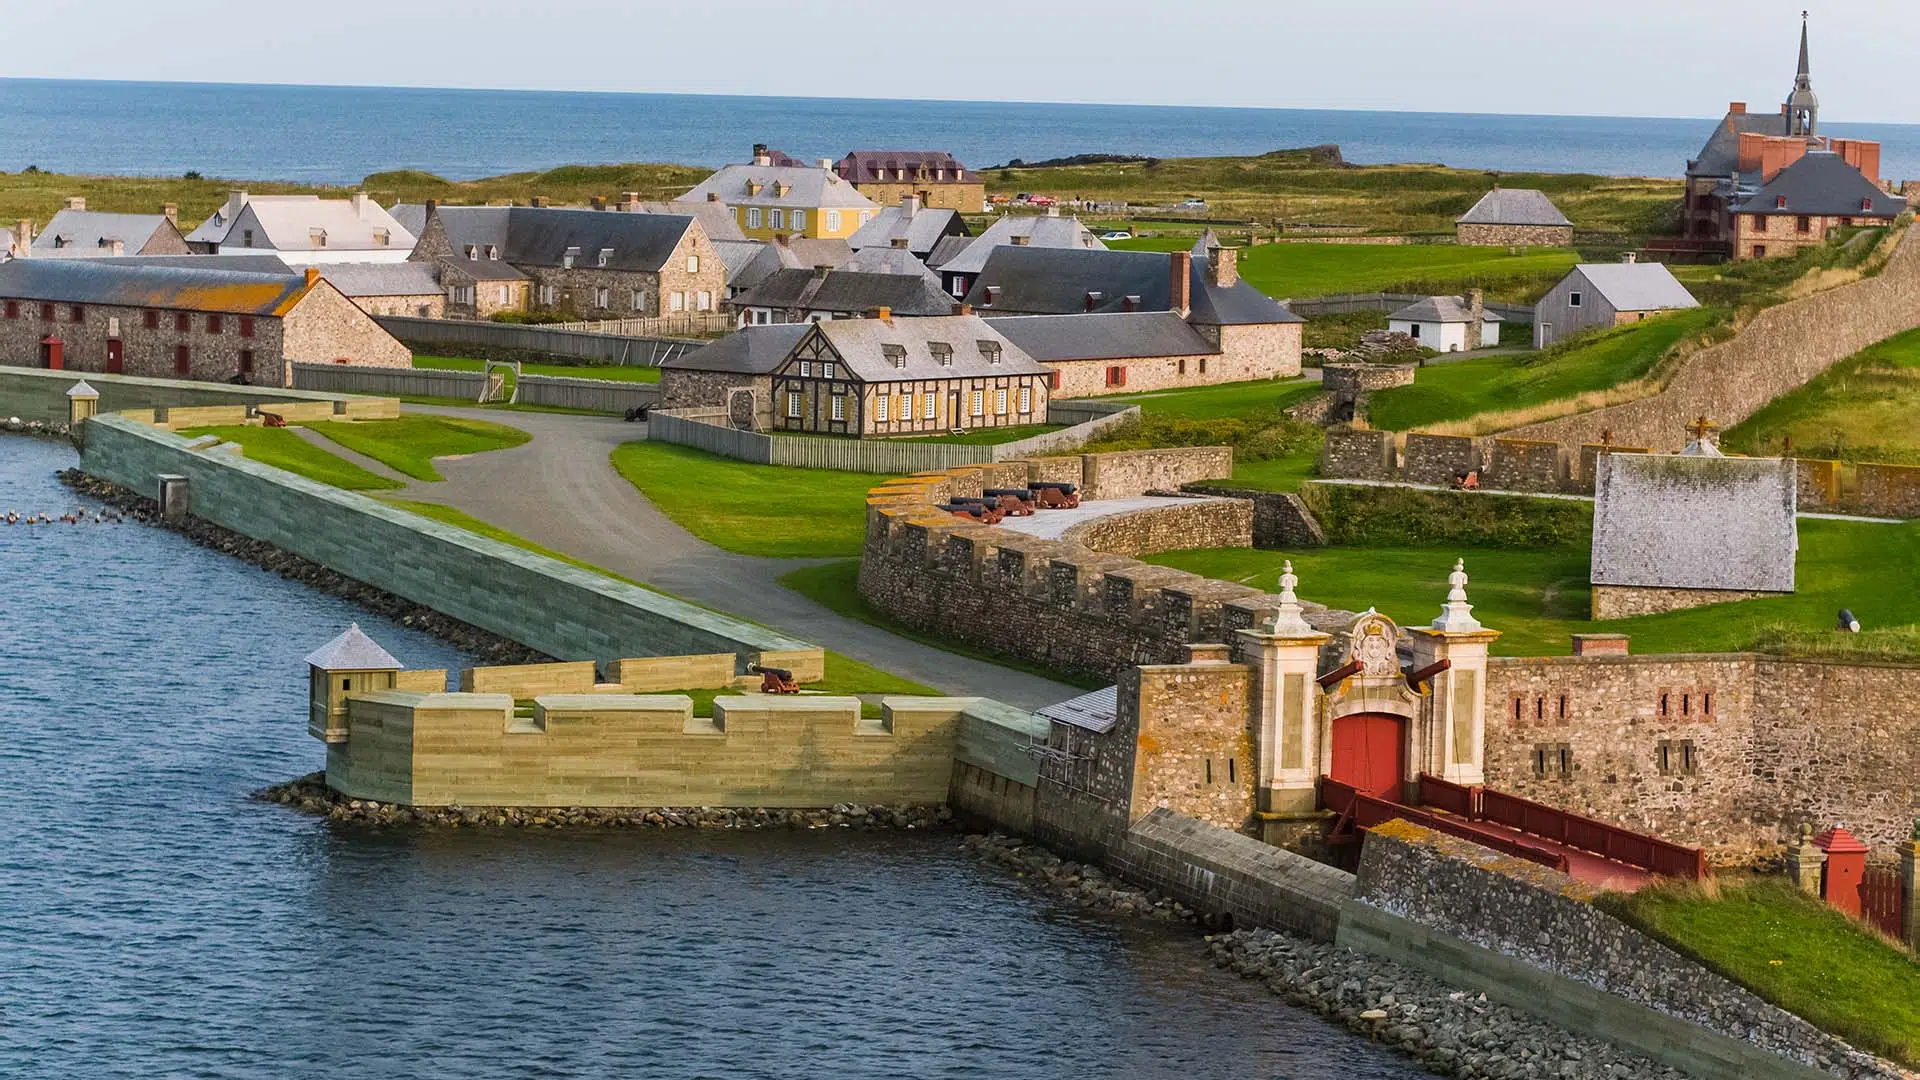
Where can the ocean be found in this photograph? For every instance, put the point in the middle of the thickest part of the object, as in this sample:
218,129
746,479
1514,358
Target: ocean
341,134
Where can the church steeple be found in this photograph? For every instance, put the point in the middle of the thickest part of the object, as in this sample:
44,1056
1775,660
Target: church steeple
1803,107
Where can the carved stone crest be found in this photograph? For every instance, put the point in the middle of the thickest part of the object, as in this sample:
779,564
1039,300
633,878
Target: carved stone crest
1374,642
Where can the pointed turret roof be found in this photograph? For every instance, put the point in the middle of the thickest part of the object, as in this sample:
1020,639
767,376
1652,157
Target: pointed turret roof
353,650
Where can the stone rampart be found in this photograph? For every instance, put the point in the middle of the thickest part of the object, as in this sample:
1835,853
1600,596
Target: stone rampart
37,394
1359,454
1530,938
1281,519
1889,490
1223,873
1524,465
1196,523
1438,459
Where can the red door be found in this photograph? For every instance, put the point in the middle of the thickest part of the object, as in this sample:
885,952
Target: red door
51,354
113,356
1369,752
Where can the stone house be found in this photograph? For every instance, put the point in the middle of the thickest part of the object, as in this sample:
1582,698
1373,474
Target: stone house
591,264
820,295
736,371
178,320
768,199
304,230
1447,323
1605,295
1513,217
407,288
934,177
79,233
1800,205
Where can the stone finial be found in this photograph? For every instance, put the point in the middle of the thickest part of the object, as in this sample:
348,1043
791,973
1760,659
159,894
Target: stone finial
1287,619
81,389
1456,615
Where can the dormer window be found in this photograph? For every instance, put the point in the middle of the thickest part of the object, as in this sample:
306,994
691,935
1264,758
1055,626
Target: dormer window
780,190
1866,202
942,353
754,187
472,252
993,295
990,350
380,237
1779,202
567,260
317,236
606,256
493,252
1131,303
1094,299
897,355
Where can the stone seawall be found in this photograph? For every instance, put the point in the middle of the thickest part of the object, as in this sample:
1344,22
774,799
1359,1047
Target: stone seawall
37,394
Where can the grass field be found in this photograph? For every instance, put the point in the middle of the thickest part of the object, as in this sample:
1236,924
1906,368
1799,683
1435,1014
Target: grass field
988,436
1794,951
1308,270
1538,597
1271,453
1861,409
410,443
1457,389
1220,402
283,449
752,509
612,372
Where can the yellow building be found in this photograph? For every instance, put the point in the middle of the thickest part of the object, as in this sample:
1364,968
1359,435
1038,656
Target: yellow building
935,177
769,200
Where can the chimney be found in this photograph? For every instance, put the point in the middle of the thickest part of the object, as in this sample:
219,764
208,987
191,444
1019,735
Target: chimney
433,207
713,196
313,276
598,202
1476,318
359,200
909,206
900,242
172,212
962,309
1629,256
1600,645
1180,283
116,247
22,238
781,239
1022,240
630,201
825,163
1737,108
884,314
1223,267
235,200
760,156
76,202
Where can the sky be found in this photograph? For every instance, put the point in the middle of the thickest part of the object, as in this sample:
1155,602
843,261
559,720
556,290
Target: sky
1619,58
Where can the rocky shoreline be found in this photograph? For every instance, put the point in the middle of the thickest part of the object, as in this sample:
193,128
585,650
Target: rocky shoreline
488,647
310,795
17,426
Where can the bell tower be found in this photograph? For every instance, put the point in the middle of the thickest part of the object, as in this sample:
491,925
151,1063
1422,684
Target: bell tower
1803,107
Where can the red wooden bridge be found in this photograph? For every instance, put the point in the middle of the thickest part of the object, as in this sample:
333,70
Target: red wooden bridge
1588,850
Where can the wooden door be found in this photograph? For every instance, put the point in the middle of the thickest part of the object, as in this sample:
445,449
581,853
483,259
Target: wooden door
1369,753
51,354
114,362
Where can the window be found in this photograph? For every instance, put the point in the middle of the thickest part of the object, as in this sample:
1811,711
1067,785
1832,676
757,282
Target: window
1759,251
793,404
1026,398
1053,379
246,326
605,257
46,312
567,259
826,369
1182,370
246,361
380,237
1414,332
638,301
979,403
1552,761
1573,299
215,324
776,218
930,408
753,217
549,294
896,356
990,351
181,360
317,236
1803,224
76,313
247,238
1676,757
1000,402
866,216
182,322
833,221
941,351
602,297
799,220
506,293
13,310
839,406
880,408
1203,365
693,264
705,300
679,301
1116,376
806,369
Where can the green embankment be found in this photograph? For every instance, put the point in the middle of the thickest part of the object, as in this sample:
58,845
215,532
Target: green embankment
752,509
282,448
409,444
1794,951
1861,409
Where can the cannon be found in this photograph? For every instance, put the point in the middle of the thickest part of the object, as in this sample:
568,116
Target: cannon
775,680
1055,494
1017,502
975,511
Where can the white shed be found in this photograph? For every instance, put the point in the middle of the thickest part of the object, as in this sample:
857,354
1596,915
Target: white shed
1443,323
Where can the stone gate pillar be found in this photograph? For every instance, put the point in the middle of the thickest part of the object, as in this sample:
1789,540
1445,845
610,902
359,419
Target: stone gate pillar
1285,654
1455,747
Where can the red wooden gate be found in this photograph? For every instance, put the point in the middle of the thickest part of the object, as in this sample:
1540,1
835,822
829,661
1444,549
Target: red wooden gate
1882,901
1369,754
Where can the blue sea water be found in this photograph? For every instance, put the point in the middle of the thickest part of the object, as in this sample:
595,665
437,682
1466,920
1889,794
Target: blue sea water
341,134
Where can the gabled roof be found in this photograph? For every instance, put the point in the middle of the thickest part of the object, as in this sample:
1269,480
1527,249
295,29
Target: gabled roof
794,253
923,230
1513,206
863,345
125,283
1095,711
881,166
755,350
1720,156
737,255
947,249
353,650
81,234
1069,281
889,260
1440,309
1238,304
288,223
1041,231
1637,286
1687,522
715,217
1822,183
848,290
411,216
381,279
1123,336
805,188
542,236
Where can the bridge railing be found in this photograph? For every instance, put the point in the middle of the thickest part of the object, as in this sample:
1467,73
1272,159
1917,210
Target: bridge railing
1598,837
1367,811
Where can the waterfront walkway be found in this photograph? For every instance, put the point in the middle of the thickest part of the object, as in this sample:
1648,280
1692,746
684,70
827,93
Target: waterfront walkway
560,490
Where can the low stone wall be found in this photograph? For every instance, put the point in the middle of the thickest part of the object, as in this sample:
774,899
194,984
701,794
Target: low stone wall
1532,939
1227,875
1522,465
1626,601
1513,235
1281,519
1196,523
37,394
1889,490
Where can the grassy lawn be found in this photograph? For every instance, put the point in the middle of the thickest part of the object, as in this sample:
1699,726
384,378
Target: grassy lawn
1861,409
1309,270
1342,330
612,372
283,449
752,509
1284,473
988,436
1458,389
1222,401
410,443
1270,452
1538,597
836,587
1794,951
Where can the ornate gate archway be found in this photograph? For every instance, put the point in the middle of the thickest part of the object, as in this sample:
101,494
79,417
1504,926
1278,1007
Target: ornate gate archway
1369,753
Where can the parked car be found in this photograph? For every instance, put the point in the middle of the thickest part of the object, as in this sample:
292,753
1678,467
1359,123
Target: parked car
1116,236
1194,204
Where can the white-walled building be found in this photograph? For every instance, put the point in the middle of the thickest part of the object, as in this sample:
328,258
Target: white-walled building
1445,324
304,230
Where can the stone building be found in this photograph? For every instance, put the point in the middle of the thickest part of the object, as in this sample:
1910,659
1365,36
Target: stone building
303,230
768,199
824,294
407,288
79,233
587,263
1514,217
934,177
1802,203
177,319
1605,295
959,260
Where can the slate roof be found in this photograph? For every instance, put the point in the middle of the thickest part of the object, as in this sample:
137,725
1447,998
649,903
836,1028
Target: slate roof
1238,304
861,342
947,249
481,269
1513,206
1122,336
381,279
126,283
81,234
924,230
848,290
541,236
285,223
715,217
353,650
863,166
1440,309
1041,231
1095,711
1056,281
737,255
1647,286
798,253
807,188
1822,183
264,262
1720,156
1686,522
411,216
755,350
890,260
